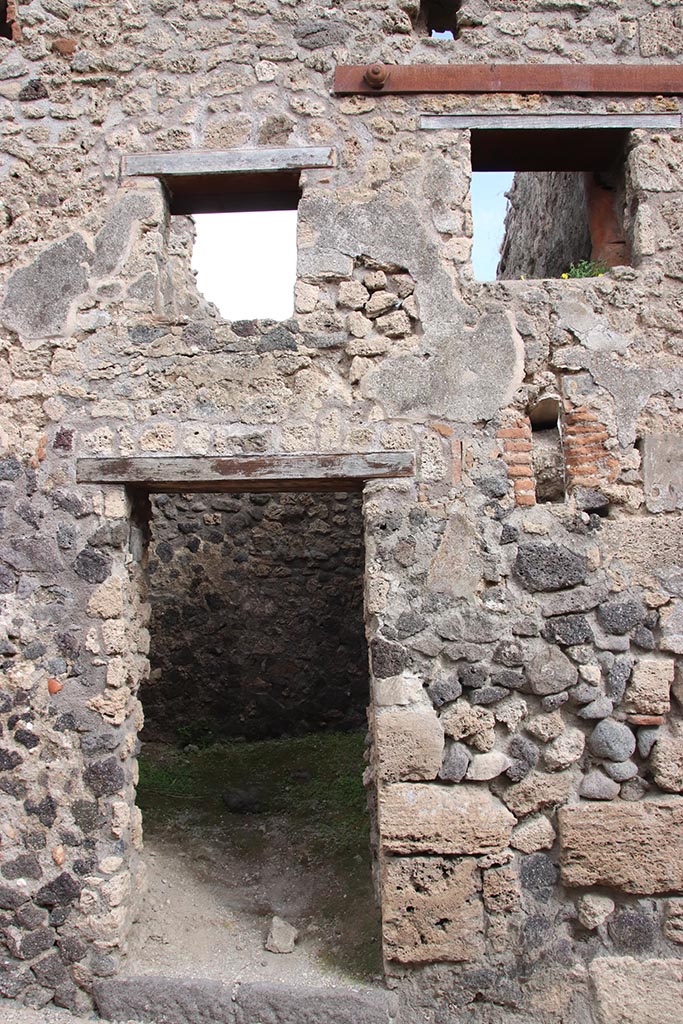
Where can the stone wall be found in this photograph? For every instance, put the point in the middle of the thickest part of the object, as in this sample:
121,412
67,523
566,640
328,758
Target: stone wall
558,219
546,225
257,617
525,657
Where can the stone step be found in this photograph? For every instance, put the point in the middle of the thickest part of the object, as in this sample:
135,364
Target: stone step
161,1000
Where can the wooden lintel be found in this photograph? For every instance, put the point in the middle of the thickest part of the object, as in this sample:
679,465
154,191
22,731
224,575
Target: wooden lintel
247,473
234,161
495,121
605,79
548,142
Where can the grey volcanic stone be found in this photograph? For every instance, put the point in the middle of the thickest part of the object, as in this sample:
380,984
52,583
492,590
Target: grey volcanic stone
509,679
596,786
473,675
33,90
10,899
8,580
10,468
600,708
179,1001
620,617
612,740
9,759
313,33
488,695
621,771
59,893
37,941
550,671
634,789
388,659
106,777
164,1000
646,740
524,756
282,1004
455,763
443,691
538,875
92,566
23,866
509,653
554,701
618,677
568,630
584,693
549,567
631,930
645,638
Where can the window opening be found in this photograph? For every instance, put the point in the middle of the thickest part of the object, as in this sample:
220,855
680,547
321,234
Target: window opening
546,450
441,17
563,217
243,235
252,750
246,262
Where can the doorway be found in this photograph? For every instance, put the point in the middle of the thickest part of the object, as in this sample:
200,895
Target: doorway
256,824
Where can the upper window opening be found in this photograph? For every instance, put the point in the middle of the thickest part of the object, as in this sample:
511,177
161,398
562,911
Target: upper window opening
560,214
441,17
244,237
244,250
233,193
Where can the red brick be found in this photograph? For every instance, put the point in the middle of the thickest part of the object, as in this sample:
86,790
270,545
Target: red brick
518,459
512,432
456,460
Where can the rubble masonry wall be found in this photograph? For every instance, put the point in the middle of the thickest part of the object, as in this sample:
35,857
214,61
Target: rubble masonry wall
525,657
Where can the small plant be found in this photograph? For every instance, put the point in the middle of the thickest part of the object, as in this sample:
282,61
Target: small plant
586,268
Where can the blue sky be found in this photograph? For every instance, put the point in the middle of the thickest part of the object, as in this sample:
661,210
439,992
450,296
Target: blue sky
488,214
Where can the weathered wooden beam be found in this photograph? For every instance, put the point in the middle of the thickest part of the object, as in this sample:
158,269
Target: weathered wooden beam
247,473
606,79
234,161
548,142
548,122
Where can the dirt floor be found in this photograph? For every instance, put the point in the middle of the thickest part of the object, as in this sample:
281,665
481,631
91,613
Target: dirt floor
236,835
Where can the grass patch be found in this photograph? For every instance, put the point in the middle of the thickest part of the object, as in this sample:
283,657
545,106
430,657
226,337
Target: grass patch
315,782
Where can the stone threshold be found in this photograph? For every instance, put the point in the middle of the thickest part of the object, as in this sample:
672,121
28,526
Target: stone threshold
163,1000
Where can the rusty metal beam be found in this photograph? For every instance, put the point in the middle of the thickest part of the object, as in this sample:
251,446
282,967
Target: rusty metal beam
608,79
324,471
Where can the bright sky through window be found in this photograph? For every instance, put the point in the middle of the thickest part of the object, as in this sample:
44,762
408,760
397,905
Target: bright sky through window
246,263
488,214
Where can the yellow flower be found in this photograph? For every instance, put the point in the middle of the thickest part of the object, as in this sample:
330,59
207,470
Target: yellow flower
565,277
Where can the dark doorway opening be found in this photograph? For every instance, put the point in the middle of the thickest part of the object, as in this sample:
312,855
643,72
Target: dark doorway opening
252,753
